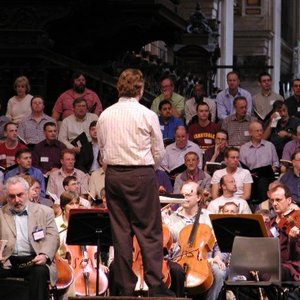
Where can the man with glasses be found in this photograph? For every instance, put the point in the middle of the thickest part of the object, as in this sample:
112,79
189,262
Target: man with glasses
167,93
32,240
293,102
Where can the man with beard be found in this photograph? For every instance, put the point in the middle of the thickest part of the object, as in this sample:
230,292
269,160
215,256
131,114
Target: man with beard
192,103
64,104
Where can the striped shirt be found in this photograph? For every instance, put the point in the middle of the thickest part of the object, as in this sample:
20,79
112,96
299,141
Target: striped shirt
129,134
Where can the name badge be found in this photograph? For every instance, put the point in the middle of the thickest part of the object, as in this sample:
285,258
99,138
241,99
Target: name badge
38,234
162,127
208,141
271,102
274,232
246,133
44,159
298,109
3,156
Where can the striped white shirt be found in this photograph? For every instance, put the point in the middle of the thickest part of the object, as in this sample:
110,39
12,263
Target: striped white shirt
129,134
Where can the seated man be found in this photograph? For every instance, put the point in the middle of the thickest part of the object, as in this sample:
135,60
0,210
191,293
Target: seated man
192,173
46,154
24,166
55,183
203,132
31,128
291,147
242,176
11,145
228,187
292,178
260,157
186,215
76,124
281,200
168,123
175,152
32,239
237,124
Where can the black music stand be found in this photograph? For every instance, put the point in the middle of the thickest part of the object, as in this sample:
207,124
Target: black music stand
89,227
228,226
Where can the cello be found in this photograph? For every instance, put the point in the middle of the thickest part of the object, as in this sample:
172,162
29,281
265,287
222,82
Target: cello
83,262
195,241
137,265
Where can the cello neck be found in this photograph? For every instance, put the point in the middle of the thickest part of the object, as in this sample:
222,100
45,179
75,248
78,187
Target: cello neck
195,225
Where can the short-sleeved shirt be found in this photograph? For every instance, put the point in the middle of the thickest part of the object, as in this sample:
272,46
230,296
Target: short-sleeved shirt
241,176
64,103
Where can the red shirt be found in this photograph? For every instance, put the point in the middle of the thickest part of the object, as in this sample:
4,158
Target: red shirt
7,156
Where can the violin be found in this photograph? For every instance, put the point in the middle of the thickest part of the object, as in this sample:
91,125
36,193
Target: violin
64,273
195,241
137,265
83,261
289,220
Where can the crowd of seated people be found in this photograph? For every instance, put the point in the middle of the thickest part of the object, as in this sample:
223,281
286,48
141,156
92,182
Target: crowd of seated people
230,148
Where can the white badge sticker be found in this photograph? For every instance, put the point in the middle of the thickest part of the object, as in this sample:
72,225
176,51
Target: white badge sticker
3,156
274,232
44,159
162,127
38,234
271,102
298,108
208,141
246,133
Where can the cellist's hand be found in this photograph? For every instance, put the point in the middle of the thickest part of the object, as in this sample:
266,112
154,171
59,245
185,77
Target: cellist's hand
294,232
104,268
217,260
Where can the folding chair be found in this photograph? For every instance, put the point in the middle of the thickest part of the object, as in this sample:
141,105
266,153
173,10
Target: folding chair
254,254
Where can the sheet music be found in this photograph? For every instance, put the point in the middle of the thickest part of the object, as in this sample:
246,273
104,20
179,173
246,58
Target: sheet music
54,197
164,199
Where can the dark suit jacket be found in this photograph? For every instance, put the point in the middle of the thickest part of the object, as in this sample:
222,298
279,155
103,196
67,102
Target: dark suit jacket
39,216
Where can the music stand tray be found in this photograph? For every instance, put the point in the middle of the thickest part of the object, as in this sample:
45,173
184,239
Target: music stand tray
89,227
228,226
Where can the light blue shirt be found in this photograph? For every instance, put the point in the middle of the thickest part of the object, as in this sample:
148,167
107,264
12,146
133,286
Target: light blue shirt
225,102
23,246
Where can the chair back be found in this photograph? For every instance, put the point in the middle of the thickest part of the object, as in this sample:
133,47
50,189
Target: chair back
256,254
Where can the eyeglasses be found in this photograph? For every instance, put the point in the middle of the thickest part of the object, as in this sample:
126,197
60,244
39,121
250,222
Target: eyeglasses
13,196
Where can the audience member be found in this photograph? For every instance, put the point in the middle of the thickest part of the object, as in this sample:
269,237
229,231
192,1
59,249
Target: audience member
55,182
283,130
168,123
11,145
3,121
229,208
192,173
216,153
46,154
167,93
18,106
31,128
263,101
241,176
225,98
64,104
88,160
75,124
292,146
293,102
237,123
191,104
32,240
261,158
176,151
292,177
24,166
203,132
228,188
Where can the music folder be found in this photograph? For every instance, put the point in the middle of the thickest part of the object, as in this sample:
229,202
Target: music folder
227,226
80,140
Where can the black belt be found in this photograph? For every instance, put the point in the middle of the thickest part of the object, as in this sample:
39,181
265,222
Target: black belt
21,262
